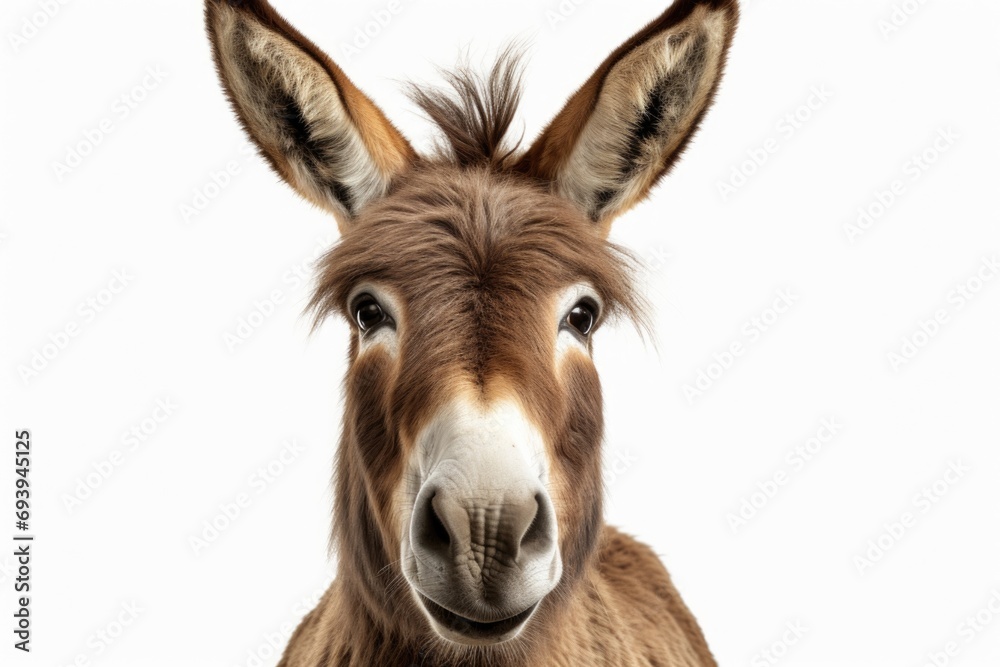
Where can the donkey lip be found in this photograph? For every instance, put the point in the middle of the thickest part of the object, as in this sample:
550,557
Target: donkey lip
475,630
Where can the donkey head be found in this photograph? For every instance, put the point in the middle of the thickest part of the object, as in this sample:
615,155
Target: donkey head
474,279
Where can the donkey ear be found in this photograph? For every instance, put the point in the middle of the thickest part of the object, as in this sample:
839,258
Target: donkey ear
627,126
319,132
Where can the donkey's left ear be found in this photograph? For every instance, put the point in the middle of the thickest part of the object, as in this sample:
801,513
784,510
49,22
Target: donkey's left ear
319,132
627,126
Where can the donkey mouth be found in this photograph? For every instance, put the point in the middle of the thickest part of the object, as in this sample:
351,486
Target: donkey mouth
468,631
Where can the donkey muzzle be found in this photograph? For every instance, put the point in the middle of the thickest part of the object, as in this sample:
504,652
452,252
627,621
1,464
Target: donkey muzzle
482,533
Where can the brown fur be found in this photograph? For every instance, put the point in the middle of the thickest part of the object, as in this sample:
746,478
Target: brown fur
474,244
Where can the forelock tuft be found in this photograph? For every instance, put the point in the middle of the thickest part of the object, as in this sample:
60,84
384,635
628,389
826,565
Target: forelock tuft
475,111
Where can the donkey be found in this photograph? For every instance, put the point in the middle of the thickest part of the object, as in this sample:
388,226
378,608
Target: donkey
468,489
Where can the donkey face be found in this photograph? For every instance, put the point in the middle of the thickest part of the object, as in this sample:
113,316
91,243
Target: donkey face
474,280
472,399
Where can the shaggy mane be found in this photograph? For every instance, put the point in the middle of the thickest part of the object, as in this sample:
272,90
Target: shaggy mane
475,111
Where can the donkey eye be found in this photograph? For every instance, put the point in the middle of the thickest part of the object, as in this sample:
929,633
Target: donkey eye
368,313
582,318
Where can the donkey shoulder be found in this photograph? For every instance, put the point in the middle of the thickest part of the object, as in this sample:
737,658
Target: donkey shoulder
642,591
624,561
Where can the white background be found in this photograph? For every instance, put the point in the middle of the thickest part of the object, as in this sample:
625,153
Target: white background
715,261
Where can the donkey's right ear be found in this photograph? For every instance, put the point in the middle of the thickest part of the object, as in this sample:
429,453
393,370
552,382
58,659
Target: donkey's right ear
319,132
627,126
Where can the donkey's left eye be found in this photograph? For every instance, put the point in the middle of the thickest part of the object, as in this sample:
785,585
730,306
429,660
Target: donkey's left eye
368,314
582,318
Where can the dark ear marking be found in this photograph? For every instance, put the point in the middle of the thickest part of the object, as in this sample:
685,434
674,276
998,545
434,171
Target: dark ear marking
656,121
314,152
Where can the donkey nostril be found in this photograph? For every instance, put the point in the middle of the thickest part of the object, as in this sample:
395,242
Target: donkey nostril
537,534
431,534
437,532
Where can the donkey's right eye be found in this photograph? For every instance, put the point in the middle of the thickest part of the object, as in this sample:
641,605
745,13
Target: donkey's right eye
368,313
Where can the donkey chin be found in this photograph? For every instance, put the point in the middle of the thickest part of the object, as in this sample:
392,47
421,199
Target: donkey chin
480,551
